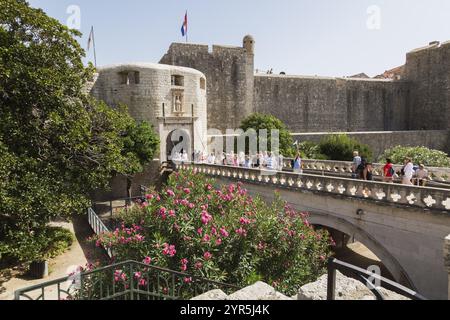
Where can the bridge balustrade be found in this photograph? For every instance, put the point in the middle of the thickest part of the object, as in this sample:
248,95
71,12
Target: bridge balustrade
394,194
345,167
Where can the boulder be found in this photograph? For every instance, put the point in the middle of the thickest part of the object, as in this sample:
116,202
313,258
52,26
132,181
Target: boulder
212,295
346,289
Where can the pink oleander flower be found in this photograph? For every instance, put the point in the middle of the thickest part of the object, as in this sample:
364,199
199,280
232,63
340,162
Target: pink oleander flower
206,217
183,267
142,282
169,250
187,280
200,231
149,196
138,275
171,213
206,238
191,206
214,231
322,258
187,190
147,260
218,242
242,232
224,232
209,187
170,193
244,221
207,255
184,202
158,198
198,265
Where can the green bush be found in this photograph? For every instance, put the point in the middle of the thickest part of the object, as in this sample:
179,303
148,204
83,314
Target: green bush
311,150
36,246
340,147
419,155
223,235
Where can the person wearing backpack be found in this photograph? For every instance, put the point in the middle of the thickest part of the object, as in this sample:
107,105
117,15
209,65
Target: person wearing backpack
388,172
360,169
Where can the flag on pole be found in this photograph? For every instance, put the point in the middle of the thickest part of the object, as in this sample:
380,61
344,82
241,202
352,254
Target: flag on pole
184,27
91,38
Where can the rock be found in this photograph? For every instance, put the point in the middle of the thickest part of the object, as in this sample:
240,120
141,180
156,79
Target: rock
254,292
212,295
346,289
275,296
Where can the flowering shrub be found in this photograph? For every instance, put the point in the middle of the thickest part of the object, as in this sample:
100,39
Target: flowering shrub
223,235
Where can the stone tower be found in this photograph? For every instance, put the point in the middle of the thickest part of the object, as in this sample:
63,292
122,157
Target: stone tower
229,75
427,71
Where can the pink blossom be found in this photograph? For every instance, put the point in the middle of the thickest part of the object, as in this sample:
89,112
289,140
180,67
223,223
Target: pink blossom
187,190
147,260
209,187
214,231
184,202
206,217
218,242
169,250
198,265
187,280
149,196
138,275
191,206
171,213
200,231
170,193
244,221
207,255
142,282
224,232
206,238
241,232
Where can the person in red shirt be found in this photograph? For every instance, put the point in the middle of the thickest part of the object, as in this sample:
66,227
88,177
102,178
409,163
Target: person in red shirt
388,172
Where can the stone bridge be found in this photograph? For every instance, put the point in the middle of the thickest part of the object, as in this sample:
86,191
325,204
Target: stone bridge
405,226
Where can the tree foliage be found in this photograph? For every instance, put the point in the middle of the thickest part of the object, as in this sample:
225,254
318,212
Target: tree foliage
57,144
259,121
340,147
419,155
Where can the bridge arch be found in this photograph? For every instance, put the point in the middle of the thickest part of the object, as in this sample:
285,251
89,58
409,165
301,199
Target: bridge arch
342,225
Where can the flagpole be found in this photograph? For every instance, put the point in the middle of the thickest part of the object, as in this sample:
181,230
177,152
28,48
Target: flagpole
93,42
187,27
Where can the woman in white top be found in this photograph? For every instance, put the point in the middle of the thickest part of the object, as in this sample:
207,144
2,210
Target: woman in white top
408,172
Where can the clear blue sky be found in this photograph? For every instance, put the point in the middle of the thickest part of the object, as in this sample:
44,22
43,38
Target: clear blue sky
307,37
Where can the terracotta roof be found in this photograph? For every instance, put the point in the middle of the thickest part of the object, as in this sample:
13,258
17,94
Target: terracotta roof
395,74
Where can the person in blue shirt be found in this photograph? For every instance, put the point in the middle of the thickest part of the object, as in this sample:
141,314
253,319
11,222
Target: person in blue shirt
298,164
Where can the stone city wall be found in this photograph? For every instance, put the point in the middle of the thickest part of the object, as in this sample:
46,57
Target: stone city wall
312,104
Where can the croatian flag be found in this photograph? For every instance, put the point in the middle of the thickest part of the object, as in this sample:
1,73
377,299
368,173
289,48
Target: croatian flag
184,28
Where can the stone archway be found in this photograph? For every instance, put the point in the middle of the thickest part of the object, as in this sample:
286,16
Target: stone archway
342,225
178,140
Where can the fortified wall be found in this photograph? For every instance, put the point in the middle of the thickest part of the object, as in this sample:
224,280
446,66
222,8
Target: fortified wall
229,75
417,98
318,104
427,72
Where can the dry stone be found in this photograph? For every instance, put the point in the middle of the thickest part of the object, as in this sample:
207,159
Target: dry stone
346,289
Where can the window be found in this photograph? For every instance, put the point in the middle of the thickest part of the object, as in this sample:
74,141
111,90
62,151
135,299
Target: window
202,83
128,77
177,80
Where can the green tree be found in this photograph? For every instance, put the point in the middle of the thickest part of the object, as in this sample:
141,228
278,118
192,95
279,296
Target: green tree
340,147
57,144
419,155
140,144
258,121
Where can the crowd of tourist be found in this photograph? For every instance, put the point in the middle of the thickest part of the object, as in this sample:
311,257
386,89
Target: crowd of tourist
267,160
361,168
409,173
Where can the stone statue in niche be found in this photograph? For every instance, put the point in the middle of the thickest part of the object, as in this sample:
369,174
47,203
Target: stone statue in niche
178,105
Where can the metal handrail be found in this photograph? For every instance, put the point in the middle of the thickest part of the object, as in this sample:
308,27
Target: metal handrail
132,290
364,276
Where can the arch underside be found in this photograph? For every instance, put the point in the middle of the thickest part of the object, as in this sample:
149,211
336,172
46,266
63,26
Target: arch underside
342,225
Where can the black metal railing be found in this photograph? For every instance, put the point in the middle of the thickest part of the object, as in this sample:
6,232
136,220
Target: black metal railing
367,278
128,280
